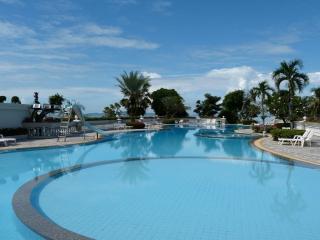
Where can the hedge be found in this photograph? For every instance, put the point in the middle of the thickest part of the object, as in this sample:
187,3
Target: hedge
169,121
13,131
136,124
285,133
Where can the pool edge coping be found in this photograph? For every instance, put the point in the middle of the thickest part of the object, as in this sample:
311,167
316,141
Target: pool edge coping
259,145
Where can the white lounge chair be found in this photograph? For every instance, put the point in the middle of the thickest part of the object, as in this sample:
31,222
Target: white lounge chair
281,141
6,140
303,139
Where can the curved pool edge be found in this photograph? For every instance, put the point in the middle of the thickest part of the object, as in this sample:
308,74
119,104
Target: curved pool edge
257,143
33,217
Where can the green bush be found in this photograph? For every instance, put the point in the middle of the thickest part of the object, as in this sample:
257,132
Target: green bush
248,122
136,125
261,128
169,121
285,133
281,125
13,131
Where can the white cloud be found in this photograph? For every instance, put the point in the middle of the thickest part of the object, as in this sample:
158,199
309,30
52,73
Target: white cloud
123,2
161,6
10,30
218,81
88,35
151,75
314,77
11,2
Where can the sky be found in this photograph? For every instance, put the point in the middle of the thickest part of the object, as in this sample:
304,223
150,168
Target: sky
77,48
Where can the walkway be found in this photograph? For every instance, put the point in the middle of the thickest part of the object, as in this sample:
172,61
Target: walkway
306,154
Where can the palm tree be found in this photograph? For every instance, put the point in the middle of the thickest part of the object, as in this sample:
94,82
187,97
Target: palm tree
296,81
264,92
135,88
316,101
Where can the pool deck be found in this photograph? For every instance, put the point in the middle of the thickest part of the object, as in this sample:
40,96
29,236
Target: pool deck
307,154
49,142
71,140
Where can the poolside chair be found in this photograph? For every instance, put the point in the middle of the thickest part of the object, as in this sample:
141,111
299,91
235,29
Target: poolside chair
281,141
303,139
6,140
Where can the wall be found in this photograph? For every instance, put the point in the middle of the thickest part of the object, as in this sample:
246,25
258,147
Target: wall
12,115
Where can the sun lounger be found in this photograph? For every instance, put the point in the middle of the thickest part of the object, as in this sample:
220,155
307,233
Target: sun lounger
6,140
293,140
303,139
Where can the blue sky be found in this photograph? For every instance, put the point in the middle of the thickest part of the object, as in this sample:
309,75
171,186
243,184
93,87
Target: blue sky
77,48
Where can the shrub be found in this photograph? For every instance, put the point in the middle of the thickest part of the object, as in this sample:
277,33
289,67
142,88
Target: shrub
248,122
169,121
3,99
261,128
285,133
136,125
16,100
281,125
13,131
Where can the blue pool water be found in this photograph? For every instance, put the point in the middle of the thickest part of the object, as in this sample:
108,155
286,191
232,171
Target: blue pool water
188,187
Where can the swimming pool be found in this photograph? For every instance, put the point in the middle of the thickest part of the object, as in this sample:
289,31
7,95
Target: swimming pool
168,184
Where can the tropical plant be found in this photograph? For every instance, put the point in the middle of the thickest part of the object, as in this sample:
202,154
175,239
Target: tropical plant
56,99
208,107
249,110
16,100
135,88
315,104
3,99
290,72
112,111
162,97
174,107
232,105
263,91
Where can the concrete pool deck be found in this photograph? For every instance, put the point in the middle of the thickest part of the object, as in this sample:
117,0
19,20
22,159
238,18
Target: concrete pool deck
71,140
307,154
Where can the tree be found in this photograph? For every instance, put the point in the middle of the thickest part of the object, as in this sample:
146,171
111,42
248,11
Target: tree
263,91
112,111
208,107
3,99
135,88
249,110
56,99
290,72
16,100
232,105
174,107
162,97
315,104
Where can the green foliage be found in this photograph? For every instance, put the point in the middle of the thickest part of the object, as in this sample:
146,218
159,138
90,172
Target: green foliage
249,110
16,100
289,72
285,133
230,116
168,102
263,91
112,111
13,131
3,99
56,99
135,88
315,103
232,105
261,128
208,107
169,121
136,124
